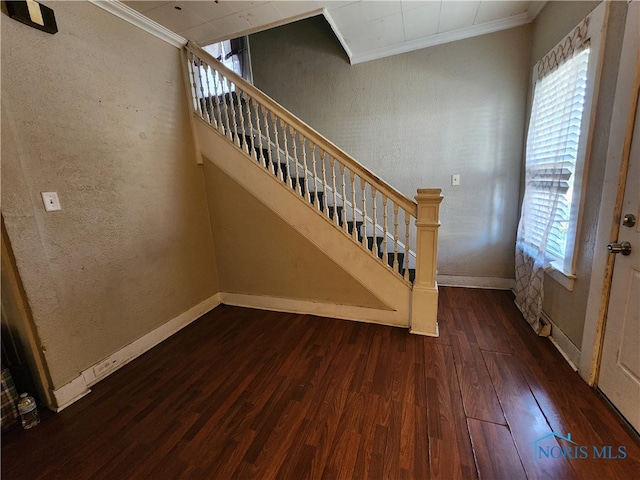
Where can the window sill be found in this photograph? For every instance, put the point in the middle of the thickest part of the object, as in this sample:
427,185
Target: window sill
557,272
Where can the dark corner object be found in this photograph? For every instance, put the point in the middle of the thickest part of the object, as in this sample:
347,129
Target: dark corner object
33,14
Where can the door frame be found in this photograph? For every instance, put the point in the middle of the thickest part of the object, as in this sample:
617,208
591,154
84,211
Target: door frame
610,214
16,307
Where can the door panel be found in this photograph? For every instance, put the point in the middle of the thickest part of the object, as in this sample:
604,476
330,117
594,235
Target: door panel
619,377
629,356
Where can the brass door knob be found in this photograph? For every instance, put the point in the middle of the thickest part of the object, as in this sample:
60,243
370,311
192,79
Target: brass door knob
624,248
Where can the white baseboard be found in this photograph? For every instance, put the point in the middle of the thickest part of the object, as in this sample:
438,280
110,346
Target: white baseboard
305,307
79,387
123,356
567,349
70,392
493,283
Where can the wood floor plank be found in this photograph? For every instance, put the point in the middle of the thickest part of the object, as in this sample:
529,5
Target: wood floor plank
450,451
496,455
362,467
526,420
572,407
478,395
421,461
297,463
246,394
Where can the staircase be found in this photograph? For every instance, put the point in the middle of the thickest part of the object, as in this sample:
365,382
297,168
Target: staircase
393,230
337,211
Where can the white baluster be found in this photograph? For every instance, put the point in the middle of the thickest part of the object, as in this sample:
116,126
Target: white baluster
221,126
241,132
227,115
201,99
256,108
277,159
208,105
294,142
354,217
277,137
269,162
325,207
395,237
286,178
316,200
343,214
363,185
307,193
255,128
191,60
236,130
374,220
406,245
333,186
251,141
385,240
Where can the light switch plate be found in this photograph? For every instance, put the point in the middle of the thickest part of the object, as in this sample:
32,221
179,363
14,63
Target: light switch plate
51,201
455,179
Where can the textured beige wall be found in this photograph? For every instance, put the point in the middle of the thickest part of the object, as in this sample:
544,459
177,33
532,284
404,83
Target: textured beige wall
96,112
258,253
414,120
567,309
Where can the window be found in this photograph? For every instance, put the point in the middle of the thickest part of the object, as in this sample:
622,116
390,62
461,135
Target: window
234,54
552,154
557,149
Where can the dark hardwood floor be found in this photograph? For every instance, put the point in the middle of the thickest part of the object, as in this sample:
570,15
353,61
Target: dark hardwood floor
249,394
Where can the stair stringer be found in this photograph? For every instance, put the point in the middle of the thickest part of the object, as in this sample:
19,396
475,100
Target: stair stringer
370,273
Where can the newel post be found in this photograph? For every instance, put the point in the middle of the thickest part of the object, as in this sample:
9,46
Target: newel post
424,298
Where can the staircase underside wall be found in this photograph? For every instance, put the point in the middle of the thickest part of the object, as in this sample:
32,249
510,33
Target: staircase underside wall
274,252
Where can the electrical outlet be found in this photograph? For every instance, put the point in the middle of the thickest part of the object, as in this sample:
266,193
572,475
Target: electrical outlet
51,201
104,367
455,179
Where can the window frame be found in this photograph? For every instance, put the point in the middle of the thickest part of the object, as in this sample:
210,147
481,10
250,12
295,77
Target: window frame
564,271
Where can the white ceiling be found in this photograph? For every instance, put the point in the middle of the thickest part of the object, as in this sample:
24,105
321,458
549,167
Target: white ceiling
367,29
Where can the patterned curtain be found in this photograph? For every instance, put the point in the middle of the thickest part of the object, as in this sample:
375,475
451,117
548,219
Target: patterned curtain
550,160
529,285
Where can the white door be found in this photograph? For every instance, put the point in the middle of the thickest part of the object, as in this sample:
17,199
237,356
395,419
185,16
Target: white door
619,377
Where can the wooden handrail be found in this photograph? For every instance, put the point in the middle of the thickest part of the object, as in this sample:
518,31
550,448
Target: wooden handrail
352,164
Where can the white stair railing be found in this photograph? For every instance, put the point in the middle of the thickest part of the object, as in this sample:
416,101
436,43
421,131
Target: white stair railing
384,222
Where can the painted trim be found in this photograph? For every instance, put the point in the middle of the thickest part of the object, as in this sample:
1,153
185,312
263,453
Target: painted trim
567,280
113,362
79,387
307,307
494,283
626,96
424,334
567,349
137,19
437,39
338,35
70,393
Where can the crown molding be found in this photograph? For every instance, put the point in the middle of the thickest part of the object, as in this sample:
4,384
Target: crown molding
440,38
135,18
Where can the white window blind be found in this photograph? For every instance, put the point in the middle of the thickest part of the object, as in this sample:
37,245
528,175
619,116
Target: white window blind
552,155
